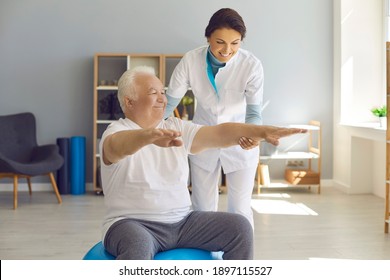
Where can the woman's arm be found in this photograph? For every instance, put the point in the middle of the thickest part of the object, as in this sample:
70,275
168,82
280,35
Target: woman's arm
178,86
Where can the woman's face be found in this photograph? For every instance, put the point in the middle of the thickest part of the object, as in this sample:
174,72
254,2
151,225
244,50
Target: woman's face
224,43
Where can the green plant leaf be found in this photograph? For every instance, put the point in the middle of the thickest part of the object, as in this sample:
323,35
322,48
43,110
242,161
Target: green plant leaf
379,111
187,100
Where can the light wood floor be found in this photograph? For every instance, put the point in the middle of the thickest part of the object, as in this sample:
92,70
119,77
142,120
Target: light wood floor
293,224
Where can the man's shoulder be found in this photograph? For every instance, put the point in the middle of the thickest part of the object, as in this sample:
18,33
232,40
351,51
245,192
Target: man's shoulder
172,123
120,124
179,124
125,122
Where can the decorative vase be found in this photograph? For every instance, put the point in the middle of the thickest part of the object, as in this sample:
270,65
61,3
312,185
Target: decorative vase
383,122
184,113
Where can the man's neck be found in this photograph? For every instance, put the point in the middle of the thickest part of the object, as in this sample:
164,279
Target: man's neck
144,123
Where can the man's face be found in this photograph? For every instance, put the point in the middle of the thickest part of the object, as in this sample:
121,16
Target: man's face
149,108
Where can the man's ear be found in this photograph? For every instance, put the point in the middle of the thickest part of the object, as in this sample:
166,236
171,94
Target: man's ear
129,102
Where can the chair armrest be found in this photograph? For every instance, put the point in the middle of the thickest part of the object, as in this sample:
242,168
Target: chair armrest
44,159
7,164
45,152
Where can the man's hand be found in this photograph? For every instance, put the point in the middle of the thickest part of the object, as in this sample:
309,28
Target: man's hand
272,134
165,138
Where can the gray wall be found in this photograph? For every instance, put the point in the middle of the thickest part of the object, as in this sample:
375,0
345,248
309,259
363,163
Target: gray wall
47,48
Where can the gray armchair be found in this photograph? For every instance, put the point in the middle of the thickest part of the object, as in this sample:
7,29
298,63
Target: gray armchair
20,155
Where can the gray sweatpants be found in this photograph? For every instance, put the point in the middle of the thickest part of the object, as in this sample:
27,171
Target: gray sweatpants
135,239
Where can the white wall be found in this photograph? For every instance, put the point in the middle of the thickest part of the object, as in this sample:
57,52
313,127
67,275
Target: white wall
359,84
47,48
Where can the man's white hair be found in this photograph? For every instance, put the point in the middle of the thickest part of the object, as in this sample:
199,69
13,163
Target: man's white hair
126,83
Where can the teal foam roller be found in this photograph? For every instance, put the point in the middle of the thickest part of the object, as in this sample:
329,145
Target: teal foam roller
77,164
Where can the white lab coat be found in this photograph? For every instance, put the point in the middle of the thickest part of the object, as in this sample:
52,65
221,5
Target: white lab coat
239,83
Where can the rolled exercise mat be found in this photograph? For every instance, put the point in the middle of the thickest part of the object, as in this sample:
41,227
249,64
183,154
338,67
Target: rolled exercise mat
63,173
77,165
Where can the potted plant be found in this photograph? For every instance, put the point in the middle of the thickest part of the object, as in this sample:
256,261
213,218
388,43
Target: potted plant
381,113
186,101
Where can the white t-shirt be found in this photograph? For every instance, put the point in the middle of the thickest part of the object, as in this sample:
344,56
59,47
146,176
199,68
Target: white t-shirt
152,183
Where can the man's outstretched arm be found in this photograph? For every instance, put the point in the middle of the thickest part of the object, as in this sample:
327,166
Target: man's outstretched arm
127,142
229,134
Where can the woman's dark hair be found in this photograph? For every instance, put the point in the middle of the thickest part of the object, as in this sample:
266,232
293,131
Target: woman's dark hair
226,18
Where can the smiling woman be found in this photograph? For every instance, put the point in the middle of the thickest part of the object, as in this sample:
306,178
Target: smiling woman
227,83
224,43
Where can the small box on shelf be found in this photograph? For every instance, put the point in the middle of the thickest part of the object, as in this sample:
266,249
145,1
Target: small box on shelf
302,177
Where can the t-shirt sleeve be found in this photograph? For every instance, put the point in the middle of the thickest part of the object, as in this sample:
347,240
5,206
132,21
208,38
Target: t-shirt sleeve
112,128
188,130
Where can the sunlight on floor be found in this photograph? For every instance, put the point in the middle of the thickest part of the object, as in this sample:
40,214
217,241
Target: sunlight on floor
274,195
280,207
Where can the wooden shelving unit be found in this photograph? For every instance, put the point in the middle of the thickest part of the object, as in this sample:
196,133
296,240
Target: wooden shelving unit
299,177
387,193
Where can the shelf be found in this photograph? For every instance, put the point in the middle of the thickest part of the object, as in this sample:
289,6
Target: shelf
104,121
284,184
291,155
371,125
304,126
295,177
107,87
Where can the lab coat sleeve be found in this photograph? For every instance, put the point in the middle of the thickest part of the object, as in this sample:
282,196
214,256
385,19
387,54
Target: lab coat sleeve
171,105
254,88
179,82
253,114
177,88
254,96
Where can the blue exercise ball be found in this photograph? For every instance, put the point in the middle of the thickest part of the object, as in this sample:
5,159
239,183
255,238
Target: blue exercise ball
184,254
97,252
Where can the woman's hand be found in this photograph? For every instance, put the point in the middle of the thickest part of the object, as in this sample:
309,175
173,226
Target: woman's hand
247,143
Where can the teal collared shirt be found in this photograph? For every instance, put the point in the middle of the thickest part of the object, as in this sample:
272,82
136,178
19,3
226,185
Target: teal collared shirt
252,115
213,65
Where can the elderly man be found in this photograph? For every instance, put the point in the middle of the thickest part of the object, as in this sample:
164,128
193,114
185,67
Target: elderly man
144,167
